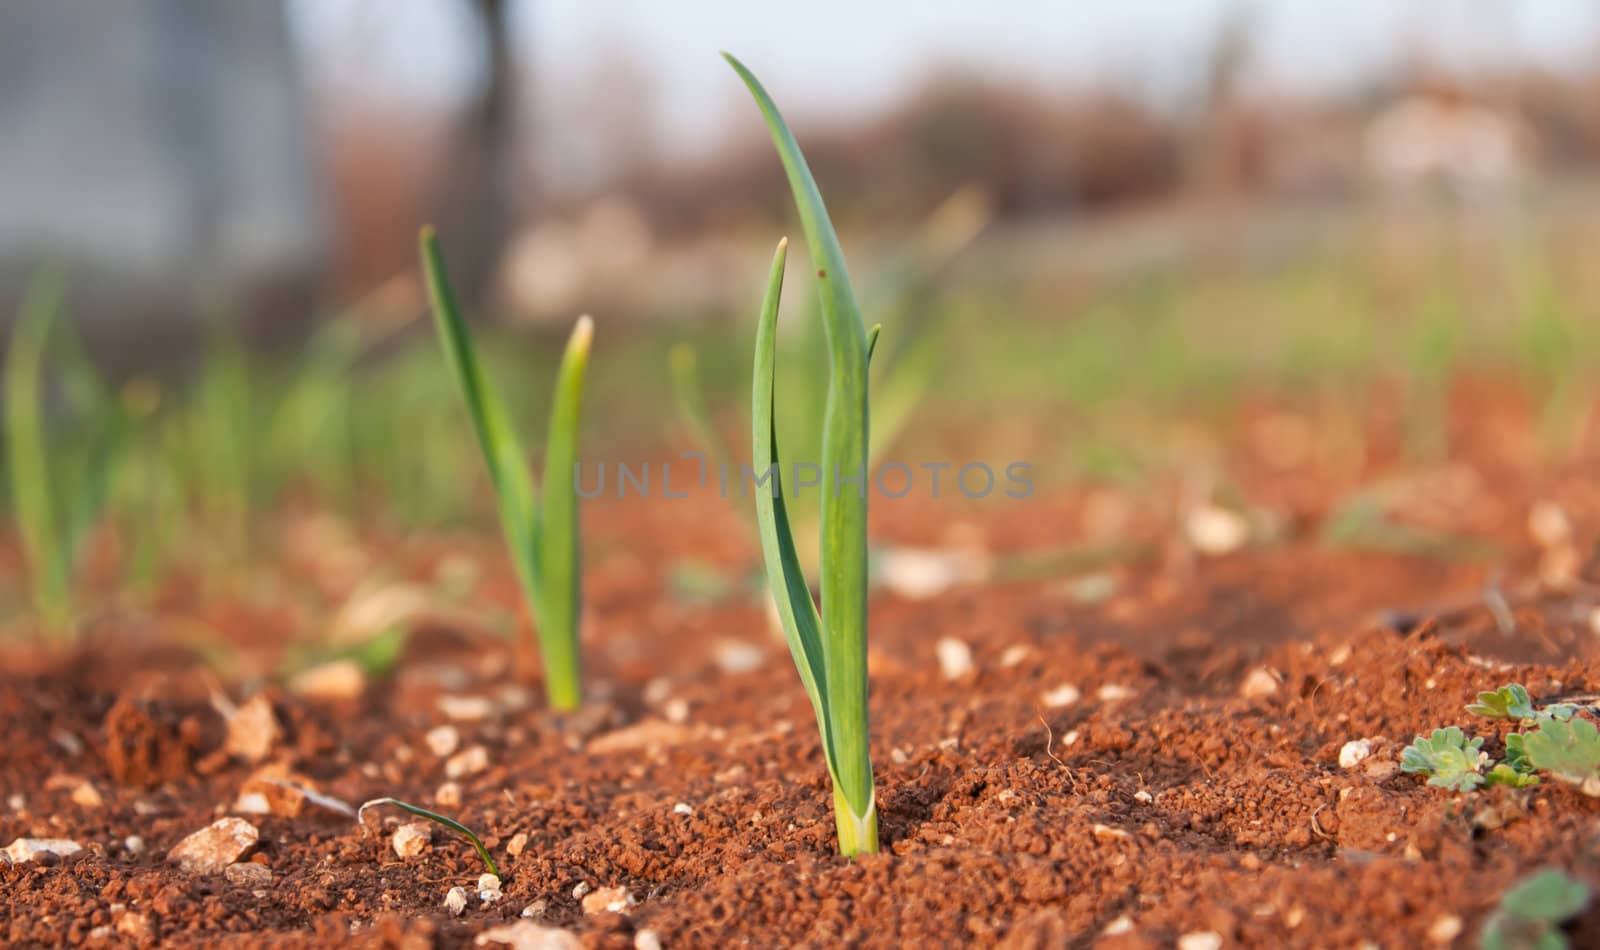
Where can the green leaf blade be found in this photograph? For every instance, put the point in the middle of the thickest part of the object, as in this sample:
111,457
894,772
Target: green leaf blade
438,819
27,453
785,579
558,535
845,437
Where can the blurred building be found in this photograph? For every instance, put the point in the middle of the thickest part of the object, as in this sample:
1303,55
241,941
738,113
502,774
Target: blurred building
159,150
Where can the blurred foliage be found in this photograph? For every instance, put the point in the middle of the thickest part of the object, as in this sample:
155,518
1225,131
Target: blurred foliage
150,475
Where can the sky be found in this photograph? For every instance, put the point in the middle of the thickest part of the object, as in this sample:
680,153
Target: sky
837,59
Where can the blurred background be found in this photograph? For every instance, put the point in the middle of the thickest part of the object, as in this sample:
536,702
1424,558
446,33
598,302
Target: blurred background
1101,236
280,157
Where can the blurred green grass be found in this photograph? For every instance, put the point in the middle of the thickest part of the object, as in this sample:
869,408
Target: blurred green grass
1083,375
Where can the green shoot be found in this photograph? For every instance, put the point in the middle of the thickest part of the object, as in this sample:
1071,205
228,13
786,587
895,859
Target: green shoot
830,651
1531,913
437,819
1507,702
1569,749
1510,776
1448,758
44,540
541,532
685,366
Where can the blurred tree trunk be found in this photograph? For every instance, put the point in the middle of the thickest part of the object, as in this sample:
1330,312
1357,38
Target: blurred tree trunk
475,213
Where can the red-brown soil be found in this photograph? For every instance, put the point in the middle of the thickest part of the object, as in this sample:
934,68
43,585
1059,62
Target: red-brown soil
1192,787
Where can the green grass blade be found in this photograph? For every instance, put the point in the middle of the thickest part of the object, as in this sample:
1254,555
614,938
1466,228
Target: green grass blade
437,819
872,341
802,626
558,527
85,487
508,467
27,453
690,395
844,455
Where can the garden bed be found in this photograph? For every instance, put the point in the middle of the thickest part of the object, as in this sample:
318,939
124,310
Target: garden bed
1128,752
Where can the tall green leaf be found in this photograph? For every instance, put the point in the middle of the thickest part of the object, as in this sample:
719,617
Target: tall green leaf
543,538
558,526
27,452
844,498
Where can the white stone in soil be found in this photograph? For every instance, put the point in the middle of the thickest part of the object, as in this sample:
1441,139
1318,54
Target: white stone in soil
455,901
955,657
1354,752
443,740
412,838
252,729
612,900
214,847
23,850
469,761
527,935
1259,684
1060,697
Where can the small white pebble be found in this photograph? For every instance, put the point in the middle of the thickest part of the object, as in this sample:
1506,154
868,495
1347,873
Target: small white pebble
1121,925
518,842
1259,684
1143,796
443,740
1013,655
455,901
24,850
646,940
1108,833
1548,524
134,844
1594,620
898,756
1445,929
580,889
412,838
735,657
676,710
87,796
535,909
1071,738
16,802
608,900
1114,692
682,808
448,795
1216,530
1354,752
657,691
467,762
488,888
1200,940
466,708
955,657
1060,697
252,803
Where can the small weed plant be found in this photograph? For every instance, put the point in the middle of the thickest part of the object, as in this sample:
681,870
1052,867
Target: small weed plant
438,819
1530,915
1560,744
